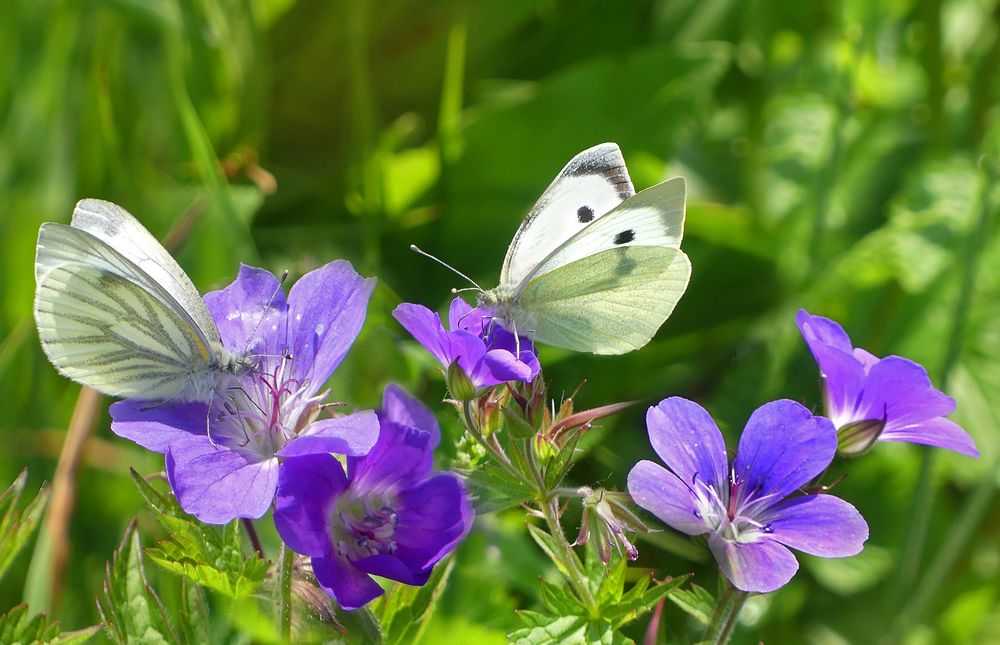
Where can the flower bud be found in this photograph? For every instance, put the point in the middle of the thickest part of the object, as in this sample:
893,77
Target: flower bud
459,384
517,425
853,439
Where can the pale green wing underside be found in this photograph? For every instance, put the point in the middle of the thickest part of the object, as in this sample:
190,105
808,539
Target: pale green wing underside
101,326
611,302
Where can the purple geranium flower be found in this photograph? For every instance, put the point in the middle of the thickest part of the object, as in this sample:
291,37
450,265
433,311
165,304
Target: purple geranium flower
223,457
484,350
389,515
748,510
871,399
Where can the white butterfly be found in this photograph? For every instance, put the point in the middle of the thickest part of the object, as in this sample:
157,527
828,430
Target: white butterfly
594,266
116,312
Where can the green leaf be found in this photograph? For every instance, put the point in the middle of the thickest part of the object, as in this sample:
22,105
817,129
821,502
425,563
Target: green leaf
641,599
548,545
17,526
194,612
696,601
493,489
545,630
17,626
559,465
198,552
405,611
130,610
559,599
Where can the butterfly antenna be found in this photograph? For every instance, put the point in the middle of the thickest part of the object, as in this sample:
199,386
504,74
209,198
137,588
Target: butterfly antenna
416,249
270,301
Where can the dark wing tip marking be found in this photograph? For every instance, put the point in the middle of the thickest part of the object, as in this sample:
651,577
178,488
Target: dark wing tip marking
625,237
585,214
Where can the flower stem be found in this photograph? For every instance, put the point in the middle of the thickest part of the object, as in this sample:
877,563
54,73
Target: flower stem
723,622
570,563
285,594
252,534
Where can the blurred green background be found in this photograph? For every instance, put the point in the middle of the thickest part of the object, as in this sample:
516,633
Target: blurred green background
840,157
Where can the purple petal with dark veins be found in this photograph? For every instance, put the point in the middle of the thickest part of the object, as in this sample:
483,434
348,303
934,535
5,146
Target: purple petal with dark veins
352,435
660,492
782,448
217,484
821,525
156,428
400,407
326,309
760,567
308,488
688,441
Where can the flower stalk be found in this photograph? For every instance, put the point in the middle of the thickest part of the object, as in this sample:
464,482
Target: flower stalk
727,612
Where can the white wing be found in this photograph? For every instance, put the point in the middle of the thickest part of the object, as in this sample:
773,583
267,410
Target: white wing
116,227
653,217
106,323
586,189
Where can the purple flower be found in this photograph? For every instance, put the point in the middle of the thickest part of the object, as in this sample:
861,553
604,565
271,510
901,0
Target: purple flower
223,457
748,509
873,399
389,515
482,348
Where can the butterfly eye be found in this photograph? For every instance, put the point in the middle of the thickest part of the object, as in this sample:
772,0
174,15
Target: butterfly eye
585,214
625,237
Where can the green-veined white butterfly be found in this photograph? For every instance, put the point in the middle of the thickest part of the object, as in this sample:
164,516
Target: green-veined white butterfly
594,266
116,312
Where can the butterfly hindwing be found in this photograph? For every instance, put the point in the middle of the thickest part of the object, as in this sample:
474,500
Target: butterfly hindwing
611,302
587,188
104,322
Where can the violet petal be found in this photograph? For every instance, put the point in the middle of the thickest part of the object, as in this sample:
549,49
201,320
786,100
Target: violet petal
760,567
352,435
308,488
940,432
326,309
660,492
217,484
821,525
782,448
348,586
400,407
688,441
157,427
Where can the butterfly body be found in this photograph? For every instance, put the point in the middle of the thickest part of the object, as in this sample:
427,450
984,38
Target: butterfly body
594,266
115,312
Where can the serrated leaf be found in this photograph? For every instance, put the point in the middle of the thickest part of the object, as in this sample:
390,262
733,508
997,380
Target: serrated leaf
493,489
130,610
559,465
197,551
612,583
548,545
405,611
640,600
17,526
17,626
566,630
559,599
697,602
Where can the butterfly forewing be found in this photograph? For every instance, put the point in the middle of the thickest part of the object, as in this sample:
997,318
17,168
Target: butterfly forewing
104,322
586,189
653,217
117,228
611,302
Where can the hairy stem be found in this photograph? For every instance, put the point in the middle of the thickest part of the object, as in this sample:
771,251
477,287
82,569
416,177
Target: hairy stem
723,622
252,534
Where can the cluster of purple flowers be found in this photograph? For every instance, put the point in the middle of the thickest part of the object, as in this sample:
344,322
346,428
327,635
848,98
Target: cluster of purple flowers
380,509
264,440
756,508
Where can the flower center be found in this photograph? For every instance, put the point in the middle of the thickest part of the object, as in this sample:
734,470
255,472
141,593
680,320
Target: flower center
263,410
365,526
732,512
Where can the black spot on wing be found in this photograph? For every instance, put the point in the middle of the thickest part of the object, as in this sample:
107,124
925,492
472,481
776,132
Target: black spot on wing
585,214
625,237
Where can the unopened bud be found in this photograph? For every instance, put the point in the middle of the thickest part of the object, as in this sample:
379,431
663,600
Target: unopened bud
460,385
856,438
